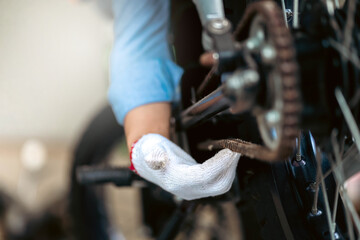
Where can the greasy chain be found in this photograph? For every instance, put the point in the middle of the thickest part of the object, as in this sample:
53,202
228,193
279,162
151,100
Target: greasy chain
287,68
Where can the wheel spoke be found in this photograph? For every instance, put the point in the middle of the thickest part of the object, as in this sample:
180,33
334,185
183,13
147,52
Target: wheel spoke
336,202
325,196
350,163
349,118
284,11
314,208
349,24
296,14
350,211
339,176
348,217
345,53
330,7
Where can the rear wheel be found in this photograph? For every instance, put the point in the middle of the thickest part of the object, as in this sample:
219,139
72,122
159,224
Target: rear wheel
87,208
305,197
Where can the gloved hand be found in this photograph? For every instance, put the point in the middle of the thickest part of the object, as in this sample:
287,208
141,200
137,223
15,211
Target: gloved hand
162,162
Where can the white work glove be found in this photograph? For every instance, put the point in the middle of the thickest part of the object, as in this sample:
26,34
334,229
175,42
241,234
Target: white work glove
162,162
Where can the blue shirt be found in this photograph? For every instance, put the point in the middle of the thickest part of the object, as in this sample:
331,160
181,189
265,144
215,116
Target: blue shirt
142,70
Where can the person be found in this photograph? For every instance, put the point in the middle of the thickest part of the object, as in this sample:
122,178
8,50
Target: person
144,82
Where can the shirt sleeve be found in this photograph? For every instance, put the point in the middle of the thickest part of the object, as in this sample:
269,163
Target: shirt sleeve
142,70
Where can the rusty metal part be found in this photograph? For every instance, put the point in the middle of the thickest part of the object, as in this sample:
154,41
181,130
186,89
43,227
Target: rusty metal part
286,67
204,87
208,59
248,149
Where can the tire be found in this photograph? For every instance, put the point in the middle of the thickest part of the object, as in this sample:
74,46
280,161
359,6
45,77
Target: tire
87,209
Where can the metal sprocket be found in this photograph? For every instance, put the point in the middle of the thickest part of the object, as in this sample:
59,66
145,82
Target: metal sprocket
262,31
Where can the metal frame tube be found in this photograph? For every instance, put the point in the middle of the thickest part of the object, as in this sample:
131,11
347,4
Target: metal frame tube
209,9
202,110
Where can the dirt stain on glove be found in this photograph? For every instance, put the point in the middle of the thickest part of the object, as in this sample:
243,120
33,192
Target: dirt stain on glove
157,159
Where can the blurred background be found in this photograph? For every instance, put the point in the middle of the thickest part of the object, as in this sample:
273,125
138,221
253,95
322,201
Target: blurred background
54,61
53,68
53,79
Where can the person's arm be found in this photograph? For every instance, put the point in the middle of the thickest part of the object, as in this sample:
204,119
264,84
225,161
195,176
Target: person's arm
144,80
148,118
144,77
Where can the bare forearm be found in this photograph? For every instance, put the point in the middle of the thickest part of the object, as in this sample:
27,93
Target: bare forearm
149,118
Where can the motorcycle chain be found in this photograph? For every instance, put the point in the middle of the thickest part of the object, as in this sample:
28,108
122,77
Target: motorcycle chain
287,67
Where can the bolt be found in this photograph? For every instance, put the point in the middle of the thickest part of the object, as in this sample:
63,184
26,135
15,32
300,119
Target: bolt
288,13
268,53
253,44
219,24
312,187
242,79
251,77
272,117
300,163
256,41
299,160
315,212
215,56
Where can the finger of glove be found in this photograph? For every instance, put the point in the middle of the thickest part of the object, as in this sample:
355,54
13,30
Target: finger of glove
222,161
212,178
219,172
157,159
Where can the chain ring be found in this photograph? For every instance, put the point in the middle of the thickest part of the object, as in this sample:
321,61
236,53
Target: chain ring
289,96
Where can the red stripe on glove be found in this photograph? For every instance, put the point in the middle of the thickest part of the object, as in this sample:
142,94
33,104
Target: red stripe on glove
132,167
